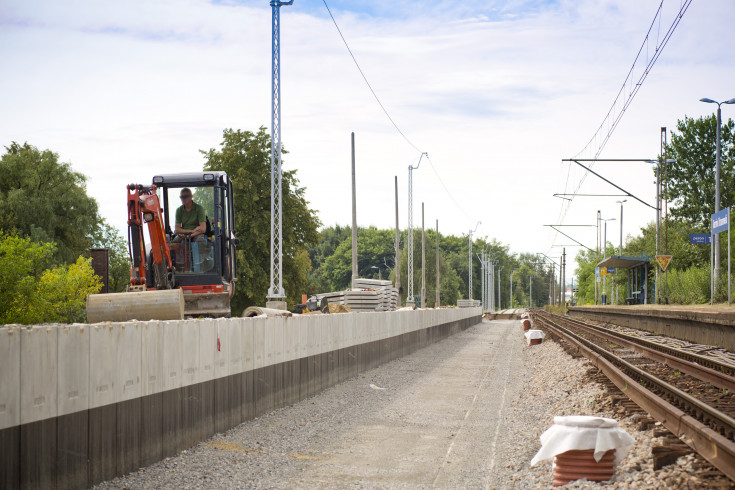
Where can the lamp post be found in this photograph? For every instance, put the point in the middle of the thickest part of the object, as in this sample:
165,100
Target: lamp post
621,232
604,245
376,267
511,289
718,159
499,306
621,224
469,275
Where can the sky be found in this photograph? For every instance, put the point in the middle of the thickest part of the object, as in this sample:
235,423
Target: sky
497,93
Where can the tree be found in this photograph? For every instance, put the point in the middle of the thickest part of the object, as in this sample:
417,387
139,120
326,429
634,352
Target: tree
691,178
107,236
245,156
30,293
46,200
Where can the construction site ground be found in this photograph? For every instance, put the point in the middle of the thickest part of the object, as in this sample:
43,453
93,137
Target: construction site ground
465,412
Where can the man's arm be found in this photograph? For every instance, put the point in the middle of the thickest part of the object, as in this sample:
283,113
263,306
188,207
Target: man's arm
199,230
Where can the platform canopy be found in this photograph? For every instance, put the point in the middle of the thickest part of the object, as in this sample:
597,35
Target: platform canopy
621,262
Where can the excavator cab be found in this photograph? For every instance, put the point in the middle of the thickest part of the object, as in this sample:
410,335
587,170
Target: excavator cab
172,276
205,266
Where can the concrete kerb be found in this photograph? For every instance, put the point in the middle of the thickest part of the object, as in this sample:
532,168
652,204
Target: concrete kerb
204,375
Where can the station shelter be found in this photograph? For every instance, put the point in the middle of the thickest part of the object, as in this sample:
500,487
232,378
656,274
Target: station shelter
638,291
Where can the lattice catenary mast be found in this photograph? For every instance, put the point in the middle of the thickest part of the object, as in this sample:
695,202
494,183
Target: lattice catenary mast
409,294
276,292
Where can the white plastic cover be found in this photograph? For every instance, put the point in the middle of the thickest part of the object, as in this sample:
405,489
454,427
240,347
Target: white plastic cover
534,334
580,432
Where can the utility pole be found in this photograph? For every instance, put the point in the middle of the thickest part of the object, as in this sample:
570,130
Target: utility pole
469,272
410,296
598,255
665,206
530,291
438,291
482,281
423,260
499,306
355,274
276,294
564,277
511,289
398,248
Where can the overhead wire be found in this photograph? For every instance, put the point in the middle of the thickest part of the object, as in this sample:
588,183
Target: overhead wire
612,118
377,99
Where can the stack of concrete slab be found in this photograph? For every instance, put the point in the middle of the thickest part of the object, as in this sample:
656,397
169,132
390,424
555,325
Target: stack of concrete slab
468,303
367,295
389,296
362,300
363,283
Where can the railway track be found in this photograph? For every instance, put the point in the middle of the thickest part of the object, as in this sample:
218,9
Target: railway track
698,406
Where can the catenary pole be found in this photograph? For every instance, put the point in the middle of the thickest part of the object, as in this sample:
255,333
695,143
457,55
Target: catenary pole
276,293
398,248
438,291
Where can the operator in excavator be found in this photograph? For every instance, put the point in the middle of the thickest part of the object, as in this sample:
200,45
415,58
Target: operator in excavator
190,225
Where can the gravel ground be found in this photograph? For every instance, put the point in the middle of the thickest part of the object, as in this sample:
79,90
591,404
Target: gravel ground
464,413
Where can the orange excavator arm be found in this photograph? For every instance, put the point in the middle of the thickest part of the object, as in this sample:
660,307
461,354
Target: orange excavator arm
144,207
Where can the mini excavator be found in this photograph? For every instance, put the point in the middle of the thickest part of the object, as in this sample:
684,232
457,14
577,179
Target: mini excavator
175,276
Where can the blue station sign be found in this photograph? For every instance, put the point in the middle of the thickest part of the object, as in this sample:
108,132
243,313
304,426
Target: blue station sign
721,220
700,238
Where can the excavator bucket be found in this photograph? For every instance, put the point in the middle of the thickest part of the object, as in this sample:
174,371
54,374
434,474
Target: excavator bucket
165,304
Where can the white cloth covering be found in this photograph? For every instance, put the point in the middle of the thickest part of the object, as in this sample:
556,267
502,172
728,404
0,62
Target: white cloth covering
580,432
534,334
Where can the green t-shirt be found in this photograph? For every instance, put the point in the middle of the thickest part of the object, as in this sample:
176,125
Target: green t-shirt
190,219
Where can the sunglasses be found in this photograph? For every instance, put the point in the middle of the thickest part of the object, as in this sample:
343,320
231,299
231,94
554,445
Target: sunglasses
186,196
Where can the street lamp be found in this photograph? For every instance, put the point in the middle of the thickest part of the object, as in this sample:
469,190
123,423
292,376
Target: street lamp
376,267
621,224
604,277
469,275
718,159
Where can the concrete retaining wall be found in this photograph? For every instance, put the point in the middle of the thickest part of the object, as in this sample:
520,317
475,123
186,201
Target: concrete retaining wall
695,325
80,404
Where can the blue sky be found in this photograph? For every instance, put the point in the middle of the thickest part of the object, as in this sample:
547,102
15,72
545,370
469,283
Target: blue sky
497,92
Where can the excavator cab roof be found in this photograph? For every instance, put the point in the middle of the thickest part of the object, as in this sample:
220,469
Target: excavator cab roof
190,179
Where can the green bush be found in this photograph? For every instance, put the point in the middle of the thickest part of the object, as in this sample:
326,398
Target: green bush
690,286
30,293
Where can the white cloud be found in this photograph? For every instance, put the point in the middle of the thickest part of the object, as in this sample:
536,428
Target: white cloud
497,93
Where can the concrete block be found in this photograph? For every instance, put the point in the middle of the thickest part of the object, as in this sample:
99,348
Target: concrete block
38,451
302,348
152,372
73,368
207,349
38,358
290,340
274,340
316,334
359,330
190,352
72,448
234,344
222,355
259,342
10,372
171,354
337,334
246,336
347,331
312,330
129,363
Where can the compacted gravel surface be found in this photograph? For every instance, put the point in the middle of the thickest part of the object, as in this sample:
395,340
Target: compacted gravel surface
464,413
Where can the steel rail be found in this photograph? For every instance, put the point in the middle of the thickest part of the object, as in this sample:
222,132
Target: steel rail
707,369
710,444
